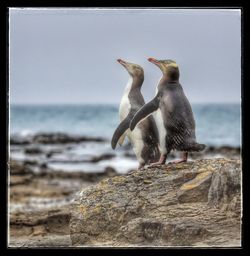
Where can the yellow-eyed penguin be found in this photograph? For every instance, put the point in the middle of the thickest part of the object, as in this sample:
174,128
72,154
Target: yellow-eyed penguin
174,117
144,137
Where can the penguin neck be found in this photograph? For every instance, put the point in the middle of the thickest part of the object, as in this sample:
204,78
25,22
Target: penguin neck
166,79
163,81
135,83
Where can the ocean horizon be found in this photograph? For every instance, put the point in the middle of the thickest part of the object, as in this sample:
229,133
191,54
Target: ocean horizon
217,124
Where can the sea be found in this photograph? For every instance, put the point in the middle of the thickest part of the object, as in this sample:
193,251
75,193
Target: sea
216,124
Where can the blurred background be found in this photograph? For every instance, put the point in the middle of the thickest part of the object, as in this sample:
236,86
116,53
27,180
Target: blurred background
65,89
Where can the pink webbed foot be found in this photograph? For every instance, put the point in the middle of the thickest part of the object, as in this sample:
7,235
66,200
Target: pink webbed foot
140,166
161,161
182,160
156,163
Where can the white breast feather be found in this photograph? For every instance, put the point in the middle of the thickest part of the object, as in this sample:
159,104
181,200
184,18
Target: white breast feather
125,104
135,136
161,128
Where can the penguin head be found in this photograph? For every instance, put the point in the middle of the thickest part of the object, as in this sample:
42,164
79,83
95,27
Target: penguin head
169,68
133,69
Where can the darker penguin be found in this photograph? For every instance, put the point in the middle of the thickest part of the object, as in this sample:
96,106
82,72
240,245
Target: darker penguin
174,116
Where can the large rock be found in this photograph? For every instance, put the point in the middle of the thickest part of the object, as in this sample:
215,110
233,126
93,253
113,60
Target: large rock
190,204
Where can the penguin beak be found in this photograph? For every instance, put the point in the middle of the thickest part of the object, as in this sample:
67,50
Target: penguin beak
155,61
122,62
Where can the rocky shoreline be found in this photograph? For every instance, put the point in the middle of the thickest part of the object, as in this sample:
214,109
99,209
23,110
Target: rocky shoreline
41,195
40,201
51,138
59,151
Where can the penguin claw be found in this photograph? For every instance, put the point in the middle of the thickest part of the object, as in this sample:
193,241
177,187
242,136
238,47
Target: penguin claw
156,164
182,160
140,167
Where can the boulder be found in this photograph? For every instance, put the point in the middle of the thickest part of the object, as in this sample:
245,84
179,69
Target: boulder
188,204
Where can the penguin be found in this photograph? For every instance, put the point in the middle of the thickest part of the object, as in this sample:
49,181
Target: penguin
144,138
172,112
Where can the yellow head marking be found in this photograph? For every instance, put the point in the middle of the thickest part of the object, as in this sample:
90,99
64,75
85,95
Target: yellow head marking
173,65
170,68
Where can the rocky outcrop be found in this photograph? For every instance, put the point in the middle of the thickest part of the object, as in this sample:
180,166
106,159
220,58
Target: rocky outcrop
190,204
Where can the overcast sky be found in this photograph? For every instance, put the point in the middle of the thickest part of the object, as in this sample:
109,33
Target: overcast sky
69,55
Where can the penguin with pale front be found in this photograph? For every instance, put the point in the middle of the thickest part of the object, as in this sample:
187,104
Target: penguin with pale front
144,137
172,112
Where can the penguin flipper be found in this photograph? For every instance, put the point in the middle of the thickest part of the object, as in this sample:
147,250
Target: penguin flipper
145,111
119,134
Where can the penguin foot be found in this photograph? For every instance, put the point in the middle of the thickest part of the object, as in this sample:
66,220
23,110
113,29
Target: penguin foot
183,160
140,166
156,164
161,161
